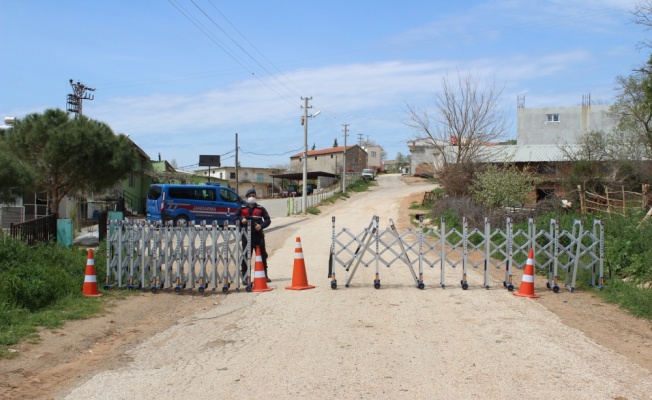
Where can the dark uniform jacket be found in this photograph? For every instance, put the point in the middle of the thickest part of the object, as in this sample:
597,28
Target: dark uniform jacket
255,214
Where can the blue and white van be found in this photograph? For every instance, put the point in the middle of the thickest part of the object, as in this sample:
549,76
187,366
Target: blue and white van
210,202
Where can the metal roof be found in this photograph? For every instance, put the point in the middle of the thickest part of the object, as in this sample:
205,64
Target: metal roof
527,153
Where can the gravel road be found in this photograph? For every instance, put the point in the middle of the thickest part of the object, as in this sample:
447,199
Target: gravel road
359,342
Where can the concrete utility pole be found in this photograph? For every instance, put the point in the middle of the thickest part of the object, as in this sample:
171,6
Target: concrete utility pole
304,122
236,164
346,129
74,103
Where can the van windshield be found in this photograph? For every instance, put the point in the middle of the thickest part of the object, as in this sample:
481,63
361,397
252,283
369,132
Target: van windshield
154,192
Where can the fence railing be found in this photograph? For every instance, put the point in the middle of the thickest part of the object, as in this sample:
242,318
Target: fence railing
39,230
619,202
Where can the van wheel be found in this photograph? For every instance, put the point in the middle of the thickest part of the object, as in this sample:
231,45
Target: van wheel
181,218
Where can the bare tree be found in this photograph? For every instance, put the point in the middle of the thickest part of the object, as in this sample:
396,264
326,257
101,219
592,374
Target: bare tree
466,116
643,16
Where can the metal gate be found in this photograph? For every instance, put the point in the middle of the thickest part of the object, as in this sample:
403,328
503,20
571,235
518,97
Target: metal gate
150,255
556,250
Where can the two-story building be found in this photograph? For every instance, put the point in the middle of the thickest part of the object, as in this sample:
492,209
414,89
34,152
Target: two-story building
375,158
331,160
247,178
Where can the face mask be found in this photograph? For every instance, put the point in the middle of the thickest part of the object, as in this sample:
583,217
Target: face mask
251,200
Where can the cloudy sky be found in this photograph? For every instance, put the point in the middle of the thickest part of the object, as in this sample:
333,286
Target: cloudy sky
181,77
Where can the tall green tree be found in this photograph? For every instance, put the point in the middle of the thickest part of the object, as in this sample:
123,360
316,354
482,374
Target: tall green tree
15,177
66,155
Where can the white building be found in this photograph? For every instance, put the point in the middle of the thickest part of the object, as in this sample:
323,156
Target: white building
559,125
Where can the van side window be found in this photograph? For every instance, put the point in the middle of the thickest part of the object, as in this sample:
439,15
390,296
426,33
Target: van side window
208,194
229,196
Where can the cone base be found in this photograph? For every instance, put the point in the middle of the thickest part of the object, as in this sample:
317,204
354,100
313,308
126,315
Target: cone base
93,295
299,287
532,296
265,289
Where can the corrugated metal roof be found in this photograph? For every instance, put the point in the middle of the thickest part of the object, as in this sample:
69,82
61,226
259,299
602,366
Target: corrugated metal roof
527,153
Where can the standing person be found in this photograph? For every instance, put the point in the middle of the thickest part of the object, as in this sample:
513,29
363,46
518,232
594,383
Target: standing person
259,218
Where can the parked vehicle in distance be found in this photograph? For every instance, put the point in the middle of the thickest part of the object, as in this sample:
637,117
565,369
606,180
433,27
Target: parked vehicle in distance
293,190
368,174
210,202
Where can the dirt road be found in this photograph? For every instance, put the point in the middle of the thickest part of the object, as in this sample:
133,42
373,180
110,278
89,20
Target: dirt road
355,342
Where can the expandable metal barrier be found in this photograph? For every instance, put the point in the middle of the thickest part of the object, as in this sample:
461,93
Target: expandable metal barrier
436,246
152,255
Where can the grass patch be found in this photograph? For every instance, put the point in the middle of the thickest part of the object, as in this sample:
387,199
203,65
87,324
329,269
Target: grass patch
637,301
41,286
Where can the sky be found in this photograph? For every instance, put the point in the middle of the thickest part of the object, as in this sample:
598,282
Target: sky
183,77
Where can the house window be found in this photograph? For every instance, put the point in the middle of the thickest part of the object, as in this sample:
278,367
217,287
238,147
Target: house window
259,177
331,156
231,175
552,117
132,180
373,154
315,157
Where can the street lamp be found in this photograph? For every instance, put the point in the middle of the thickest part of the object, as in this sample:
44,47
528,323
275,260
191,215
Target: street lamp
304,122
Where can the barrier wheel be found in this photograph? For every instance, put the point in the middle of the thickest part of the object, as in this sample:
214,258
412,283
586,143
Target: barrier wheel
333,285
107,287
153,289
376,285
555,289
510,287
248,288
465,285
421,285
177,289
225,289
201,289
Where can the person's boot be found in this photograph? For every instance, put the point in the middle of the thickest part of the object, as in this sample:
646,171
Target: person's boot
266,276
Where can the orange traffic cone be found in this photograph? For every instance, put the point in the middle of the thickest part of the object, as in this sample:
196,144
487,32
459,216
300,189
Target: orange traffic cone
299,278
527,282
260,280
90,280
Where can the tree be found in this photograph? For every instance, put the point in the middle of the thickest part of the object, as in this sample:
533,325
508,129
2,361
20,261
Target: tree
502,187
15,177
466,116
632,110
401,161
67,155
642,16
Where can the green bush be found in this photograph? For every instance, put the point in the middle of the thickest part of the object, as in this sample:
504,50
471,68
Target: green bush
34,278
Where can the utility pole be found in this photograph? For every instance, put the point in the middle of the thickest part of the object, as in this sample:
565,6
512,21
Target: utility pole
74,103
236,164
346,130
304,122
360,152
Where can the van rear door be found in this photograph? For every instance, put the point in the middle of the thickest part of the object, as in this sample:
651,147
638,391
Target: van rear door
154,199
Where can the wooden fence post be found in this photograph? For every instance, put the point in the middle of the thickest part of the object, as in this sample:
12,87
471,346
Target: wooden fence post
582,200
622,188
